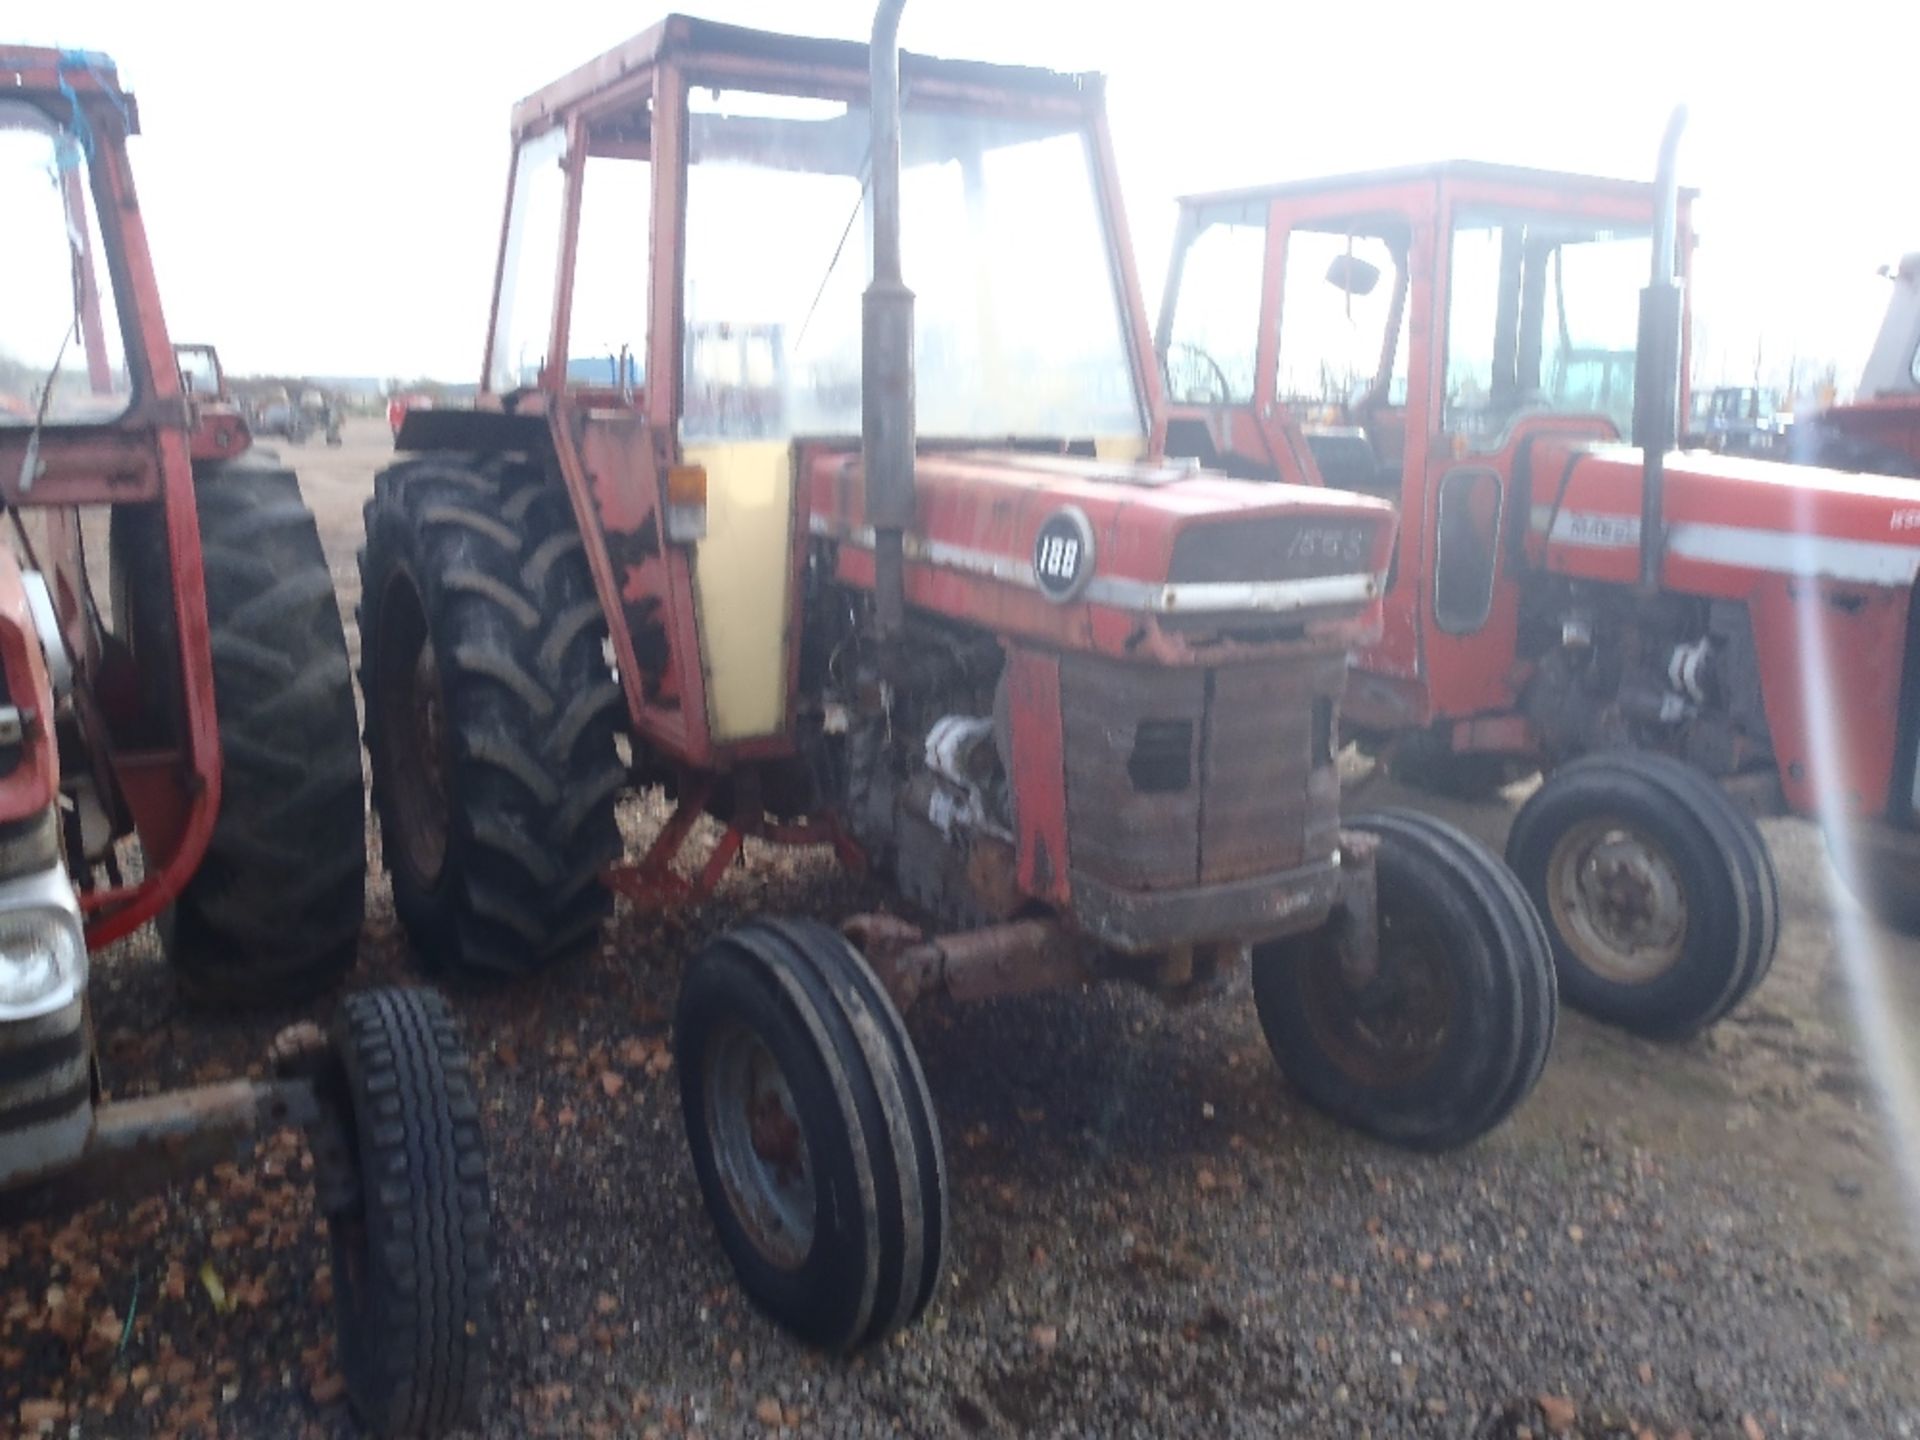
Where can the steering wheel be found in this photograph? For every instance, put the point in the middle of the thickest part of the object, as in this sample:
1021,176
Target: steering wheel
1195,366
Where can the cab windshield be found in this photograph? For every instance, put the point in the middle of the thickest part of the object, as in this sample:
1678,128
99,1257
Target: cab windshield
1019,327
61,352
1541,318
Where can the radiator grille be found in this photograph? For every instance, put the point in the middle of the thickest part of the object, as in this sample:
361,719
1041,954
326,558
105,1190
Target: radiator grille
1179,778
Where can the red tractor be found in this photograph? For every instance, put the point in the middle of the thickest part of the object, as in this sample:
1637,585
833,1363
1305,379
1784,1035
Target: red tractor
920,589
178,743
1475,342
1878,430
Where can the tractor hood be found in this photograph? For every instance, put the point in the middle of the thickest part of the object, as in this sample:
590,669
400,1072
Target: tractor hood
1729,521
1116,554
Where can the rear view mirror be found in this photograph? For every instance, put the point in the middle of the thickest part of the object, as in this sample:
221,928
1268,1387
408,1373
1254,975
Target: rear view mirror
1351,274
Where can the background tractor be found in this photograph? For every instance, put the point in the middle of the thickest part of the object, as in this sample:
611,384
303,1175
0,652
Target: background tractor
1879,429
1474,342
178,743
917,586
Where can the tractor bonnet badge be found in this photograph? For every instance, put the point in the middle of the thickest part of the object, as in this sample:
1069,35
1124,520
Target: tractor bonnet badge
1063,554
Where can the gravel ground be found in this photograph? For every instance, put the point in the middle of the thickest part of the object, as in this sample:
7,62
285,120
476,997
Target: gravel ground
1151,1234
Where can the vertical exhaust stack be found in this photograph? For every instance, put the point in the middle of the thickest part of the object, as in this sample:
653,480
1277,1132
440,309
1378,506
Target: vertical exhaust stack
886,350
1656,381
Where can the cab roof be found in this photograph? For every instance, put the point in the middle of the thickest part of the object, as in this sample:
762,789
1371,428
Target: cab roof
38,73
687,41
1436,172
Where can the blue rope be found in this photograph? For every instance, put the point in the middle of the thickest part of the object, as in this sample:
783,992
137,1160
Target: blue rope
102,68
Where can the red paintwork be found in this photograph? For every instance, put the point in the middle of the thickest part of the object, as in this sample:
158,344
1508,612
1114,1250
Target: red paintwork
1830,643
1825,643
993,503
1891,422
141,456
219,429
219,432
1039,775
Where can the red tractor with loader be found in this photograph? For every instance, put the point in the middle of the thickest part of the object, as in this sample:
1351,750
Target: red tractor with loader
1478,344
178,743
903,573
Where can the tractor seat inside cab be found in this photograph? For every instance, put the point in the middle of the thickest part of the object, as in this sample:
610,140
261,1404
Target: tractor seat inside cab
1349,458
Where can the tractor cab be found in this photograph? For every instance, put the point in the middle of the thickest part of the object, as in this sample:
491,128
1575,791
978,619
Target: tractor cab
1411,334
679,297
219,426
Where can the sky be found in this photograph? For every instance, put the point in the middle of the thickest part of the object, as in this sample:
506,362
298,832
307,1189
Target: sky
322,184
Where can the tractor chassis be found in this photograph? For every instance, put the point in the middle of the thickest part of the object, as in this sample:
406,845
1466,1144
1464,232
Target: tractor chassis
1027,957
141,1145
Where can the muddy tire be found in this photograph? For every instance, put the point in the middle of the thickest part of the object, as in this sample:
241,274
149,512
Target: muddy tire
1658,891
490,715
272,914
1453,1030
812,1132
413,1247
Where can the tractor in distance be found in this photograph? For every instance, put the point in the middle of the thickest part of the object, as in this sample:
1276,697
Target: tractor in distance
1467,340
1879,429
178,743
904,574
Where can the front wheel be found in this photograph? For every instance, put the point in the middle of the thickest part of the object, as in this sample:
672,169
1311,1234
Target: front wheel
412,1245
1657,889
812,1132
1447,1031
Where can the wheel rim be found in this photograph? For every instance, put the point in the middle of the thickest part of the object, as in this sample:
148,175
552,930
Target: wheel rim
758,1146
1617,900
410,714
1390,1027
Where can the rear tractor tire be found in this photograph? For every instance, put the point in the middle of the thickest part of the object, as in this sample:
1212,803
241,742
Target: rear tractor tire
812,1132
272,915
413,1239
1452,1028
1658,891
490,714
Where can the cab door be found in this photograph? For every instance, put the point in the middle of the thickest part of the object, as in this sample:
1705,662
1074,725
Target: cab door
1353,324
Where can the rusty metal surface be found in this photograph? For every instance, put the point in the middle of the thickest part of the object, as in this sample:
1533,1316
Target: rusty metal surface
1257,794
1260,810
1022,958
1118,834
140,1145
1265,907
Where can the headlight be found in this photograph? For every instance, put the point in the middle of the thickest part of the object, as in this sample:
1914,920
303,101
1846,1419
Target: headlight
43,954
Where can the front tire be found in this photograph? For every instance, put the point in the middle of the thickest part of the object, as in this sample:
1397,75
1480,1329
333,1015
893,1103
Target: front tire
490,714
812,1132
1659,892
412,1255
1453,1028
